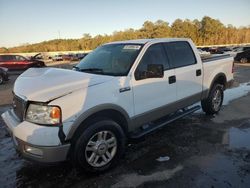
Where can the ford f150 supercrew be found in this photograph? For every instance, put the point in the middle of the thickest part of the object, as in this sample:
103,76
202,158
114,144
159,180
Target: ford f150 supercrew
121,90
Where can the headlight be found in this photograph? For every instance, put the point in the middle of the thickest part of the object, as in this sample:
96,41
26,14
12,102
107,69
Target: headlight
43,114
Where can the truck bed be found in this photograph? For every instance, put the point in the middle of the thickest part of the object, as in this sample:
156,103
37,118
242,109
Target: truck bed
215,64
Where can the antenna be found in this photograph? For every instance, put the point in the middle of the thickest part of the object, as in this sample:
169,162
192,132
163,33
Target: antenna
59,34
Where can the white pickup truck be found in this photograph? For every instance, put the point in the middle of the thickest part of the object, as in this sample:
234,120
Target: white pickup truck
121,90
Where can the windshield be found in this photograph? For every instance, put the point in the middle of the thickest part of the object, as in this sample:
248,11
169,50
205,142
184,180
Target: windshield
111,59
238,49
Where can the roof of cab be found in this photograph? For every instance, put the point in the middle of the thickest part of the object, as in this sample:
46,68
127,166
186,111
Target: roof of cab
144,41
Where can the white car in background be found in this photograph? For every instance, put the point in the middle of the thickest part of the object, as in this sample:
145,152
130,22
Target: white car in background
203,53
57,58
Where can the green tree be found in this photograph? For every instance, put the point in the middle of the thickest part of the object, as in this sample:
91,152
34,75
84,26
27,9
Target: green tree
211,30
208,31
186,29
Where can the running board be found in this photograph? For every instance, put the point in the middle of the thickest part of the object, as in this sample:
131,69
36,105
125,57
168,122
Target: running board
146,129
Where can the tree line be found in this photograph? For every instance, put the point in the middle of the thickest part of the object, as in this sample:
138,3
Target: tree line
207,31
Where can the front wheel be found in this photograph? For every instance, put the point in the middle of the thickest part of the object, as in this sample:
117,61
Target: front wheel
212,104
1,79
100,146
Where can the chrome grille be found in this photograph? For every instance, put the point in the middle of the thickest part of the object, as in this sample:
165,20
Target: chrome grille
19,107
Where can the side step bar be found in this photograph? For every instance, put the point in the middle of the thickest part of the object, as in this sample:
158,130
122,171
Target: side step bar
162,122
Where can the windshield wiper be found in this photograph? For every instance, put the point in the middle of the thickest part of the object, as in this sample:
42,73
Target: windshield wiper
95,70
91,70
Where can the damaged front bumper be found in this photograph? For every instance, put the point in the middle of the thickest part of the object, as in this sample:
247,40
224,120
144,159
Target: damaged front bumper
43,154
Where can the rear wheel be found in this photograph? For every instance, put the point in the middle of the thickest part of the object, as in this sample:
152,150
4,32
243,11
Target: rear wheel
100,146
243,60
212,104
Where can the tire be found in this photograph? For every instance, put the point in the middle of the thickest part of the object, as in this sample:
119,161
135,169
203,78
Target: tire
212,104
1,79
93,152
243,60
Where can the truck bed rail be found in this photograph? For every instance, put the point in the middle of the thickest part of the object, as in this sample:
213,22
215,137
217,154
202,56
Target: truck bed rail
214,57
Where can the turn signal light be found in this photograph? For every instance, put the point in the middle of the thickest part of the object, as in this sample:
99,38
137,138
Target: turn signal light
55,113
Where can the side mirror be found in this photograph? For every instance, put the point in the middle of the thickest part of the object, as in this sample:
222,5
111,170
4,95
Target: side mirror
75,68
155,71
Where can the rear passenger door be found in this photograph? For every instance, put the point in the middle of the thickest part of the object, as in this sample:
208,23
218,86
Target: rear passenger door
188,71
7,61
20,62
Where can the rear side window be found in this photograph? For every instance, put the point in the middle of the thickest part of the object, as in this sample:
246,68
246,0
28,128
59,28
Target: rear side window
6,58
180,54
246,48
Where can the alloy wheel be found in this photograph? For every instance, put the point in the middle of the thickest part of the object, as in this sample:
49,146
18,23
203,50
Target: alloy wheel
217,98
101,148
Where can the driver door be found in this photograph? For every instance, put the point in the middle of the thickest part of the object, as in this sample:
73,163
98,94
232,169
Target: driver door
152,95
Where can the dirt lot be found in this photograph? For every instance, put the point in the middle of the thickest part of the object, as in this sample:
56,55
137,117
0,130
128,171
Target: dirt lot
204,151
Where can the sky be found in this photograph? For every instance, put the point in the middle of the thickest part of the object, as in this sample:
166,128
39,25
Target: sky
32,21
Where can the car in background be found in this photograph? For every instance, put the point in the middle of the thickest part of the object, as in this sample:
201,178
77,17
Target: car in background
37,56
18,62
3,75
70,57
241,49
224,49
243,57
80,56
246,48
57,57
67,57
215,50
206,49
203,53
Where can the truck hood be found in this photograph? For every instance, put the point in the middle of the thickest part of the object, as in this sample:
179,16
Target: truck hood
46,84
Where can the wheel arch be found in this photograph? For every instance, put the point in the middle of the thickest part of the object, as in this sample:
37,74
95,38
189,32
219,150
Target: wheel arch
111,111
219,78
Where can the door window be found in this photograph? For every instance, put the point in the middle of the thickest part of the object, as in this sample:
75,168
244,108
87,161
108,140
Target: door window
155,54
180,54
19,58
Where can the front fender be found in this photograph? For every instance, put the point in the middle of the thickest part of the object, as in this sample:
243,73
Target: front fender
93,111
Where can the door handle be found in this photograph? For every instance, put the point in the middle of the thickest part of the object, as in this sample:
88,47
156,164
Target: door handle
198,72
171,79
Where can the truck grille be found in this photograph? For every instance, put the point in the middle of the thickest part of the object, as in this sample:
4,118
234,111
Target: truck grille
19,106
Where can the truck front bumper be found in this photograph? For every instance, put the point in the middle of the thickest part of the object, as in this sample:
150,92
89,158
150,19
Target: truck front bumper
43,154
